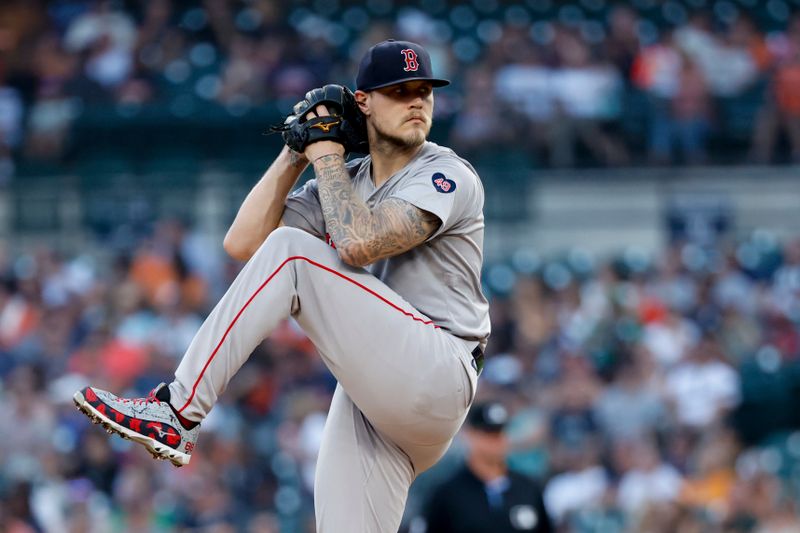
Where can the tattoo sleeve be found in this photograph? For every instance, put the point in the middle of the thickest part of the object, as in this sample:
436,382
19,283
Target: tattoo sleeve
297,160
363,236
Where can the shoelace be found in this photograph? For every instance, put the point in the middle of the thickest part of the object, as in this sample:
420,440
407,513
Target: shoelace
151,398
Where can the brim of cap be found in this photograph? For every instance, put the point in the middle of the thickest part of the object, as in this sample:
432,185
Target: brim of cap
434,81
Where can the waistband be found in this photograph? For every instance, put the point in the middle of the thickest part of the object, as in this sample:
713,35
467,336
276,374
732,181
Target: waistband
480,340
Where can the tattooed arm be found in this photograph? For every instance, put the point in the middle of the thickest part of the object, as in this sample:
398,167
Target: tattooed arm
363,236
261,211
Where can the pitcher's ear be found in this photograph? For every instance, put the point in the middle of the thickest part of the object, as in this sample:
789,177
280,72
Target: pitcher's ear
362,99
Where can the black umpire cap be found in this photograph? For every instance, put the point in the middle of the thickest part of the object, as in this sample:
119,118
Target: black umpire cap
489,416
392,62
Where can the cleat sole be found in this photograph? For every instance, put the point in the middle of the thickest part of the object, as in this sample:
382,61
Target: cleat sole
156,449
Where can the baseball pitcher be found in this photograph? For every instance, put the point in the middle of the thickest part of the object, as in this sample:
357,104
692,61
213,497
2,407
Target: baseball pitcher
378,259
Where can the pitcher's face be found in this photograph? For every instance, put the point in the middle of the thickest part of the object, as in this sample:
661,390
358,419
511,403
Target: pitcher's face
400,114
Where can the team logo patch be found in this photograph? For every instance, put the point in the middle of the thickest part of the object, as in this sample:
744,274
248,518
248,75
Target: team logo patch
443,184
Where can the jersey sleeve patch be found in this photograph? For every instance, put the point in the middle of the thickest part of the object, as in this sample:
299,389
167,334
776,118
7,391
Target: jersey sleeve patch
442,183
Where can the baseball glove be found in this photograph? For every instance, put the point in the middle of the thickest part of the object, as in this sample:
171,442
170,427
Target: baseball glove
345,124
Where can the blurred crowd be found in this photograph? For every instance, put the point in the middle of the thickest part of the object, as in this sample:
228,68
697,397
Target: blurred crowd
646,394
591,81
124,322
655,394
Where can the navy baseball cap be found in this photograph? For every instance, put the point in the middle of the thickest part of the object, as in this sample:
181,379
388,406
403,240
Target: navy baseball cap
392,62
490,417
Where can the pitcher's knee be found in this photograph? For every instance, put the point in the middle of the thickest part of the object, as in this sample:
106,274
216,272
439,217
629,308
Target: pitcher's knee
285,234
291,240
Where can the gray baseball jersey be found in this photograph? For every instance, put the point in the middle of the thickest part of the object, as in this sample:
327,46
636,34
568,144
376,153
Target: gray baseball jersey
441,278
397,337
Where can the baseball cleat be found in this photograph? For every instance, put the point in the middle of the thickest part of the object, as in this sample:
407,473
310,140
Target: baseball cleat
148,421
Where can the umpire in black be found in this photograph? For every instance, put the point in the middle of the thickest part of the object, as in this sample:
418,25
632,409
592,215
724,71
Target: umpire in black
484,496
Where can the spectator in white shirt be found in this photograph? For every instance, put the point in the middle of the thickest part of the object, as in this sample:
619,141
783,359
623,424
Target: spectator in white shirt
581,486
704,387
587,94
650,481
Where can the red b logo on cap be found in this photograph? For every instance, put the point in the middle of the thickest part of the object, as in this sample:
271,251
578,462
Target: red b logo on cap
411,60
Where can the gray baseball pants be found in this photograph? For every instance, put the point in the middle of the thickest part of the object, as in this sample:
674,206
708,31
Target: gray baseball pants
404,384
